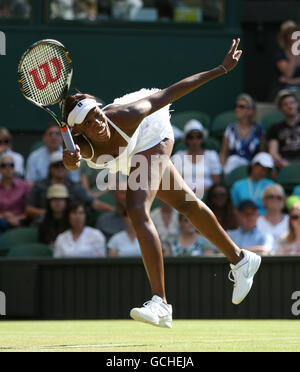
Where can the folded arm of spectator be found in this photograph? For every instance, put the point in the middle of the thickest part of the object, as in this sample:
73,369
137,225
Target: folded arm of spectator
99,205
33,212
274,151
224,151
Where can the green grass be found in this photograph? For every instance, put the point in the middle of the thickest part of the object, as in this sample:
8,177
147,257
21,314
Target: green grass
130,336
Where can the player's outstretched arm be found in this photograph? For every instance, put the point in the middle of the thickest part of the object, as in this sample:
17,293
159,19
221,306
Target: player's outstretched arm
188,85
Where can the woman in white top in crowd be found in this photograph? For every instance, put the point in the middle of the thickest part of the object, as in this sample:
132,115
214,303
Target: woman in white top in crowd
194,168
275,222
80,240
165,219
124,243
289,244
5,149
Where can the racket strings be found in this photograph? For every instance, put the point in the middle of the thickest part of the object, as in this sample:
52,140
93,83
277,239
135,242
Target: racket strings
44,73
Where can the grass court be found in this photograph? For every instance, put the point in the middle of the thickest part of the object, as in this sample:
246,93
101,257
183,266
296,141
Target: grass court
130,336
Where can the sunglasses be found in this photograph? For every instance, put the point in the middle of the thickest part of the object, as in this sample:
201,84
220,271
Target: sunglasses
243,107
194,136
6,142
58,165
277,197
295,217
219,195
7,165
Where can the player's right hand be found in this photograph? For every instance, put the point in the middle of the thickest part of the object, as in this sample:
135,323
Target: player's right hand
72,161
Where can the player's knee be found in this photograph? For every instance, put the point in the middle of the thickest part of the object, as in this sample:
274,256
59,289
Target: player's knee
137,212
187,207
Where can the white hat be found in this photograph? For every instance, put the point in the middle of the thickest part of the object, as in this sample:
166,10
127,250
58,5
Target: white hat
192,125
57,191
80,111
56,157
264,159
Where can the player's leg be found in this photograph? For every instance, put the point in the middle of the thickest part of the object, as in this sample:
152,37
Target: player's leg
183,199
244,263
139,201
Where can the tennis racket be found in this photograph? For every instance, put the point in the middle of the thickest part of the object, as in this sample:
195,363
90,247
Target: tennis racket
44,77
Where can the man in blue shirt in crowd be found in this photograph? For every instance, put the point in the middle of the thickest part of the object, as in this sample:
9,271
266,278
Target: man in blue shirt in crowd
247,236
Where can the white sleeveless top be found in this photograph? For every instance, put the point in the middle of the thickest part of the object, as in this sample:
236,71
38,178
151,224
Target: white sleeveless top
151,131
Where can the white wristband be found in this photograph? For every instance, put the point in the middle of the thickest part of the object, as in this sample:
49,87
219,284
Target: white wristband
224,68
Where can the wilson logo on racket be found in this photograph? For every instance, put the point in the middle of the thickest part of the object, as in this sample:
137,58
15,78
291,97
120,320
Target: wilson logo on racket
48,76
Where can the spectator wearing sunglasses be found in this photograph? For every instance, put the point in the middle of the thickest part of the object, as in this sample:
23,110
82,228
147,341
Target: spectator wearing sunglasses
5,149
189,242
290,243
274,222
14,193
199,167
244,139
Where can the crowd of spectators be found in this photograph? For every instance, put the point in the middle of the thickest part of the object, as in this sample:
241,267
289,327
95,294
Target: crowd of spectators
74,218
253,210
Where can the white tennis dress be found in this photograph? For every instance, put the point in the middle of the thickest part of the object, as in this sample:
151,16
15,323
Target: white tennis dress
151,131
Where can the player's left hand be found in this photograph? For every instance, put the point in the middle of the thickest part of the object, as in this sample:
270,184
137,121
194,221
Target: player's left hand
233,56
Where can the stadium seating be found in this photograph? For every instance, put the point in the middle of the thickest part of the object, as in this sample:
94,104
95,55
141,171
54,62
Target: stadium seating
180,119
289,177
17,236
271,118
37,145
236,175
30,250
221,122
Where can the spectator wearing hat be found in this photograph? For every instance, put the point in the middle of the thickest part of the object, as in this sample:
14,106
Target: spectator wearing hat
14,193
248,236
199,167
244,139
36,206
80,240
287,62
55,221
38,161
5,149
275,222
284,137
252,187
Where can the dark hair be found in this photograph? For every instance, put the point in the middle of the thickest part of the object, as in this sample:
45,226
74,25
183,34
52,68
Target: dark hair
49,126
72,101
210,194
50,228
227,218
75,204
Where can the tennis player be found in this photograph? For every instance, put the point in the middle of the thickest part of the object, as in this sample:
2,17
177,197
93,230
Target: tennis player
139,123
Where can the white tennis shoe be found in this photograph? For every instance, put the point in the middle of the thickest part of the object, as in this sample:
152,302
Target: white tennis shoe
154,312
242,275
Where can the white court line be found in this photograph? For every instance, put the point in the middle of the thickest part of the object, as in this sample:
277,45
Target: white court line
212,341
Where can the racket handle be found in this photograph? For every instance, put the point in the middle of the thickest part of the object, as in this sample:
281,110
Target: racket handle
68,139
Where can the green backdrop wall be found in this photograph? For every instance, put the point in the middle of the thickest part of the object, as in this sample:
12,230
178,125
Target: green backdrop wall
111,61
